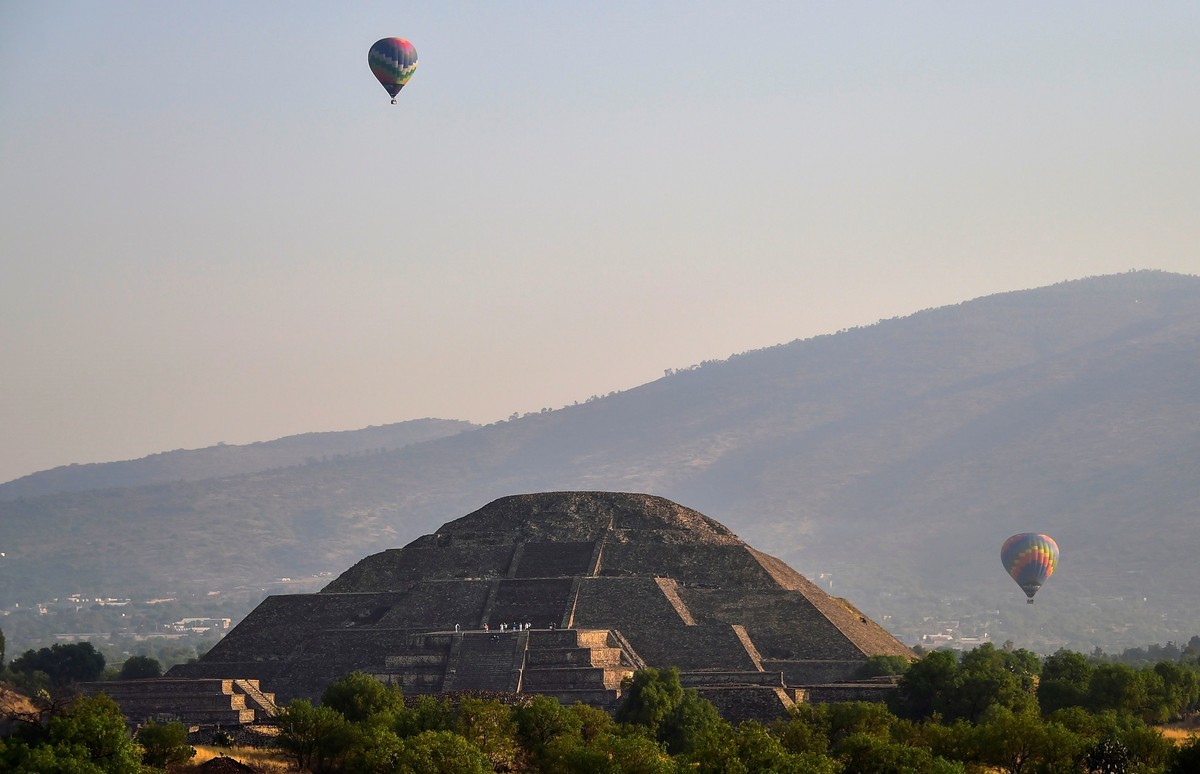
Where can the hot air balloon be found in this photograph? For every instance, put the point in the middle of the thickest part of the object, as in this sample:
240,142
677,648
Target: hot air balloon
393,61
1030,559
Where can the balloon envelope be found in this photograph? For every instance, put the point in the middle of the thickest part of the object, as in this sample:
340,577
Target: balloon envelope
393,61
1030,559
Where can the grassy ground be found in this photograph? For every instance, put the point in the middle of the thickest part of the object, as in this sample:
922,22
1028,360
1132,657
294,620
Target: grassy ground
1182,731
265,761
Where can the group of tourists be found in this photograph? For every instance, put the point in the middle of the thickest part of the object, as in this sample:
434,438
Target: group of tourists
507,627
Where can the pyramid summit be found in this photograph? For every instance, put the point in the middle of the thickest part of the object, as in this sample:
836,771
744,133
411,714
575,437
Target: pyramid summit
561,593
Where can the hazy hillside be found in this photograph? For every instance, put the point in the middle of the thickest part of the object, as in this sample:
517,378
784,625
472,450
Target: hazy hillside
895,458
226,460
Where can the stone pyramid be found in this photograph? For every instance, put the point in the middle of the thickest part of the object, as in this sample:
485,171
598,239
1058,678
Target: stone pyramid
563,593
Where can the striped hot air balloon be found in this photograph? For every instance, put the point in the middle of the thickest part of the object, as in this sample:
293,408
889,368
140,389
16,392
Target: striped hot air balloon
393,61
1030,559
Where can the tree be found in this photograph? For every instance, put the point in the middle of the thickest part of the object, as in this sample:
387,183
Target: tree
1021,741
64,664
1065,679
806,730
140,667
543,723
1010,742
691,721
1146,745
93,730
165,745
1177,690
880,666
429,714
1116,687
372,748
1186,758
1107,756
441,752
593,722
953,742
758,750
989,676
867,754
618,754
315,737
927,687
358,697
489,726
858,717
650,696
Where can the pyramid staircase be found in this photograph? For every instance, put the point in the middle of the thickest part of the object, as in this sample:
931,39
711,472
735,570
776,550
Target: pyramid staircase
586,665
201,702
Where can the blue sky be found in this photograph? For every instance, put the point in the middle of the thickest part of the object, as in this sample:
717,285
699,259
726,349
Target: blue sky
215,227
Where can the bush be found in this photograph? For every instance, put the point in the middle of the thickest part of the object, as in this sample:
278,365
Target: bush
359,696
164,744
140,668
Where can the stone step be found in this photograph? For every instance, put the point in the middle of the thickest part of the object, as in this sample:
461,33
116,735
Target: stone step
406,680
430,641
240,717
553,560
415,660
568,638
697,679
256,699
163,702
591,696
573,657
176,685
572,678
226,717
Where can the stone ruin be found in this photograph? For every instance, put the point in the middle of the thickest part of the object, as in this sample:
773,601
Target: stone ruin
563,594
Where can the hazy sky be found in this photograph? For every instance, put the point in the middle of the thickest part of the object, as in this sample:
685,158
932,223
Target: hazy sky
215,227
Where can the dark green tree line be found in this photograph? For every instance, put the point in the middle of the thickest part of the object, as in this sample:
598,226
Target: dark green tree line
949,714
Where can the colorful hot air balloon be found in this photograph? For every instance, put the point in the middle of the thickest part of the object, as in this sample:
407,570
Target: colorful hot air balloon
1030,559
393,61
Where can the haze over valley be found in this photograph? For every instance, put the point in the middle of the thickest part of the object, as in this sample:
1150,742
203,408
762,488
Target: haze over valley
887,463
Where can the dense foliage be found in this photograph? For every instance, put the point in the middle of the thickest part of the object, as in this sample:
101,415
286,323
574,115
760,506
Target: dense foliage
990,709
62,664
977,712
89,735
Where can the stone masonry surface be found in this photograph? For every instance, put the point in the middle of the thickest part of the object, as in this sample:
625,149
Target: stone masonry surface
588,585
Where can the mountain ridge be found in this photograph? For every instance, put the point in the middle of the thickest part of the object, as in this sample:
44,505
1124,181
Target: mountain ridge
228,459
892,458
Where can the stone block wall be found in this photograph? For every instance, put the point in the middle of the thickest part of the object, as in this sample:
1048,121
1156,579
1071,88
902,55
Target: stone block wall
761,703
280,623
540,602
396,569
439,605
726,566
553,560
827,694
814,671
713,647
782,624
194,702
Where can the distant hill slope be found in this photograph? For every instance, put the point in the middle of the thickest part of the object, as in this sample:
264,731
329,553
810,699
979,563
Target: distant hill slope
226,460
895,458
